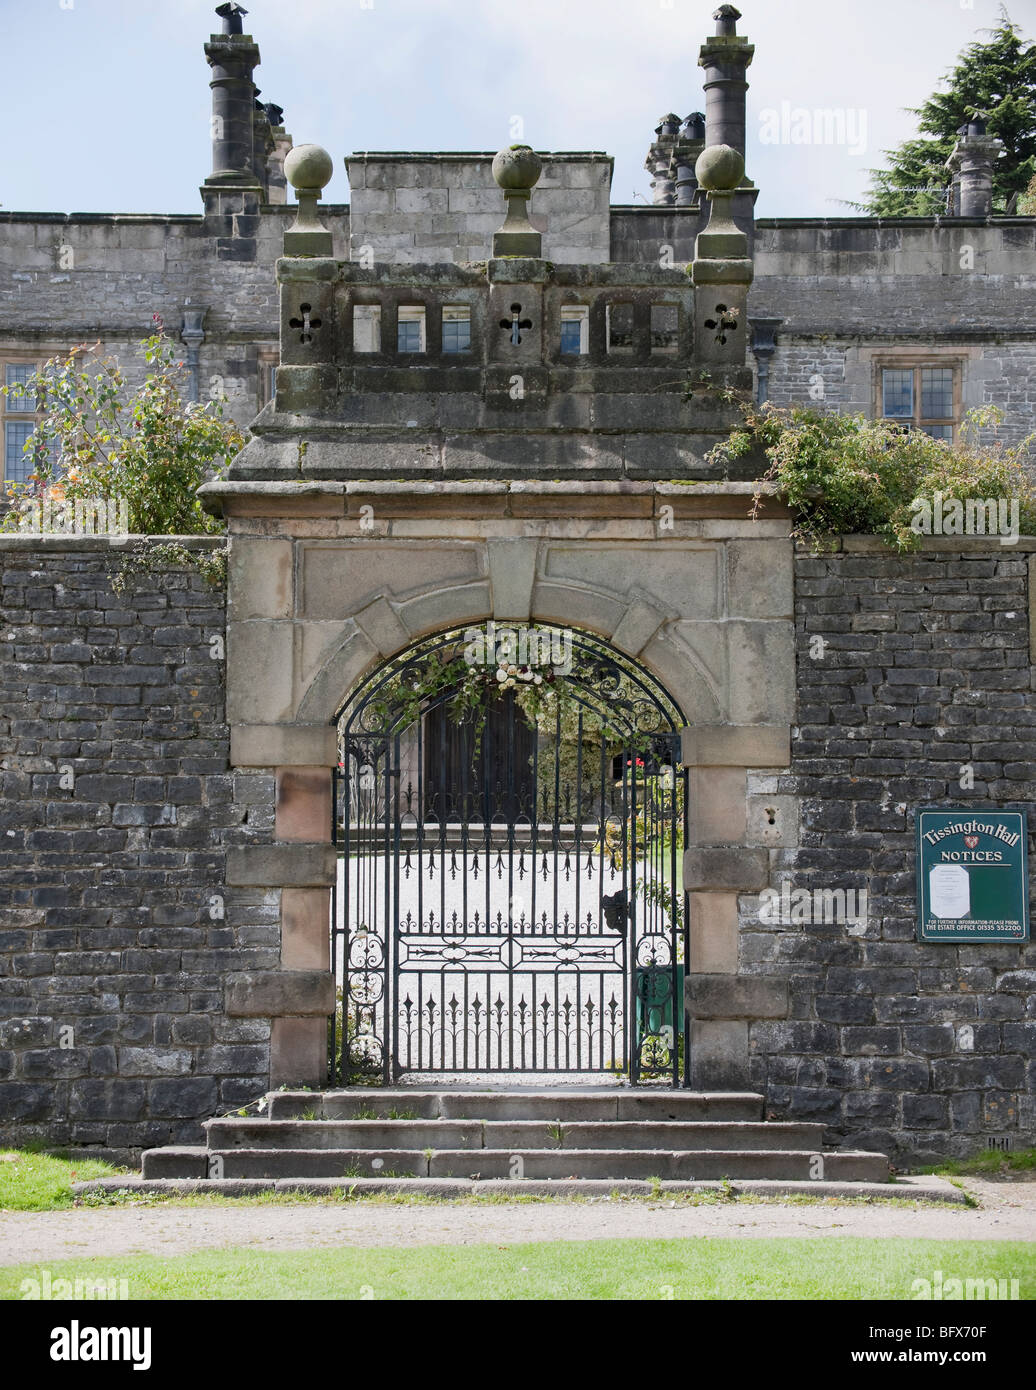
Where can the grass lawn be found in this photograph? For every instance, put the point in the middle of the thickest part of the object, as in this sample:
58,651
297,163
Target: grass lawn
36,1181
990,1164
649,1270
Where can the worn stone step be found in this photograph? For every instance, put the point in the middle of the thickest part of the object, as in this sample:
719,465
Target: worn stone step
661,1163
511,1134
344,1134
599,1104
538,1164
679,1135
175,1161
327,1163
913,1189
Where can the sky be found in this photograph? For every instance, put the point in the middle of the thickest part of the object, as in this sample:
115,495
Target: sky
106,102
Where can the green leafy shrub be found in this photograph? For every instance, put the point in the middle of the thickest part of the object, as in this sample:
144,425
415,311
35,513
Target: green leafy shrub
846,475
147,448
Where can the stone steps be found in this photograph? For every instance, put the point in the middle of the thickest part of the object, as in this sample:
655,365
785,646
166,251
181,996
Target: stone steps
519,1135
904,1188
375,1135
563,1103
478,1164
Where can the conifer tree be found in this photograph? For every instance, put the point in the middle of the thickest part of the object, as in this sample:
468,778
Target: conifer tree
994,80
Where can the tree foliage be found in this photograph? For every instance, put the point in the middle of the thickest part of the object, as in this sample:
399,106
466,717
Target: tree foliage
994,80
97,439
846,475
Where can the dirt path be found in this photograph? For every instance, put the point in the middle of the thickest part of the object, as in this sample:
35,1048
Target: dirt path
1008,1212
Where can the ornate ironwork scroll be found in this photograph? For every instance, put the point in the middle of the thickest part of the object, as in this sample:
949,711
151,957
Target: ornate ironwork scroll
509,893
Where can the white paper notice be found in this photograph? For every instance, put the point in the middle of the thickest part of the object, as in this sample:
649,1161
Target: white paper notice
949,891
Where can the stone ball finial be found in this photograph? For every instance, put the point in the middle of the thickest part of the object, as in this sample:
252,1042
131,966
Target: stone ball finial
719,168
308,168
517,167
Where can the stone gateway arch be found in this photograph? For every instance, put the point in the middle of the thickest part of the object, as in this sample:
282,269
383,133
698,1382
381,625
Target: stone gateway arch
400,485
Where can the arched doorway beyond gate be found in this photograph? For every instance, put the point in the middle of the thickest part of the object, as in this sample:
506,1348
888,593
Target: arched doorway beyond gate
509,813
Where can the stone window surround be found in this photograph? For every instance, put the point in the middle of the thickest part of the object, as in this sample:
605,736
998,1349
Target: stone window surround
580,314
616,349
558,301
915,364
459,314
957,356
411,314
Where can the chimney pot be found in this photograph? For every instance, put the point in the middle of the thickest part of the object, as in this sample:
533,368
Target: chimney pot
231,15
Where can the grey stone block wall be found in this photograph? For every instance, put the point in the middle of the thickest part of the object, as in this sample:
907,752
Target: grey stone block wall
117,807
413,208
1001,374
851,289
84,278
926,670
842,286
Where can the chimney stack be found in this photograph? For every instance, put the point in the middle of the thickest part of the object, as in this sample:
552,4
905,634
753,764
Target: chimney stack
671,160
276,183
233,57
235,189
726,58
971,165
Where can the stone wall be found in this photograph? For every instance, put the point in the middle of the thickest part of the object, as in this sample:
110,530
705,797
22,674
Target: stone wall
855,292
117,809
414,208
845,288
130,1009
926,669
88,277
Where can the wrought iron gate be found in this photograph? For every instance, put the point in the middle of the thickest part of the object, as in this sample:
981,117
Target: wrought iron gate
509,894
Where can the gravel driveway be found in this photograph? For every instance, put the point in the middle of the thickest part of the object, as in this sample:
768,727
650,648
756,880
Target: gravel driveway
1008,1212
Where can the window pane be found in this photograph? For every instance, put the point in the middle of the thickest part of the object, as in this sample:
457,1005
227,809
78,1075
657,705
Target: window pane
939,432
571,336
408,337
897,387
575,329
456,331
936,393
620,326
17,401
665,322
17,465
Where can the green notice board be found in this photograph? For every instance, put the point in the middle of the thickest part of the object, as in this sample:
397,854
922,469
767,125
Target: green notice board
972,881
